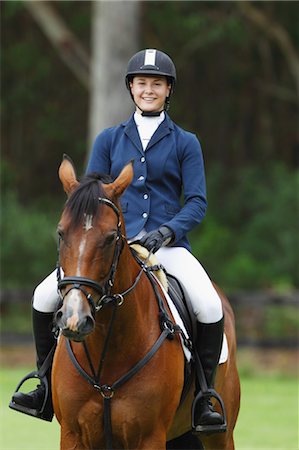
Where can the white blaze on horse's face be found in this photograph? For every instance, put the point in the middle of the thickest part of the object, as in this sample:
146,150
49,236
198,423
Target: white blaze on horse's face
74,301
87,226
88,222
74,297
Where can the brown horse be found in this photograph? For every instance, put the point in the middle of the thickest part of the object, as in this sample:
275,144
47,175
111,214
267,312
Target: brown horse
117,378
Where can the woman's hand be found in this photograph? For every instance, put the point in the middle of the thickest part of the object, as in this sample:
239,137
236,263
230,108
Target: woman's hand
156,239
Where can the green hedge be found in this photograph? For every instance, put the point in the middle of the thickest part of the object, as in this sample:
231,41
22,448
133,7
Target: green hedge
28,247
247,241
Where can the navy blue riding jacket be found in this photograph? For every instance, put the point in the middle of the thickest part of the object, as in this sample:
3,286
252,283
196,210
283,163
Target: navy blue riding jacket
169,179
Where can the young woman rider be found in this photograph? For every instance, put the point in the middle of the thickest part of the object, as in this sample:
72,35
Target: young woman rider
167,161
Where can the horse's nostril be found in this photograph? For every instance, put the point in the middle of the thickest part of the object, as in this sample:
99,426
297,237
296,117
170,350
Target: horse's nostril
86,325
90,322
58,317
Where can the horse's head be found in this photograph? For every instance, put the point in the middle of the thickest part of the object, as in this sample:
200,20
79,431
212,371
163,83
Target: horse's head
91,235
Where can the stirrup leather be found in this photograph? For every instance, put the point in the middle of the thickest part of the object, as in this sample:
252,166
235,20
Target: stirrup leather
209,429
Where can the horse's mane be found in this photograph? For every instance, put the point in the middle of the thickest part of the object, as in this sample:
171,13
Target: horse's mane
85,198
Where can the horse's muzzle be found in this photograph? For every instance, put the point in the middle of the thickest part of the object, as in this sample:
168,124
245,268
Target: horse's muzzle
74,327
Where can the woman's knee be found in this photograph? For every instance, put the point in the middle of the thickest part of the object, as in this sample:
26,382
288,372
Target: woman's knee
45,295
210,310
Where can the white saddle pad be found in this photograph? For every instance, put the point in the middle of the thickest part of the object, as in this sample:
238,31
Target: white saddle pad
178,321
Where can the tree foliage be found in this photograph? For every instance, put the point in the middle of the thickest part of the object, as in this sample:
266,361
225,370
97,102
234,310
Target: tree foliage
234,86
249,239
236,90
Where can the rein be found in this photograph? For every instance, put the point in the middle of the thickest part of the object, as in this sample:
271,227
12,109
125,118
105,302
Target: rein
168,328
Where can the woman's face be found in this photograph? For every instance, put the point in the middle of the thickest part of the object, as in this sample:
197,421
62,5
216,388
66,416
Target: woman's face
150,92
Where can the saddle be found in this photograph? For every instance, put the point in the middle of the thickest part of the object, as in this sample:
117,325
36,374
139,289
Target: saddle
183,305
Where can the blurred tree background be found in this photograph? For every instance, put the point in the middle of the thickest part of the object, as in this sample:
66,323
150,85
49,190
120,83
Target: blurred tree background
237,89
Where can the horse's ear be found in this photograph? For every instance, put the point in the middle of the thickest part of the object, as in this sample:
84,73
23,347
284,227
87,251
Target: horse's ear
67,175
122,181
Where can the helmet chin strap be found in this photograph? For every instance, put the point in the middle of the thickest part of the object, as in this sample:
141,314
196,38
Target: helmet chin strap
153,113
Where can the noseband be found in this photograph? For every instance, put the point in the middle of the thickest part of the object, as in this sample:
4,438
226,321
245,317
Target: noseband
79,282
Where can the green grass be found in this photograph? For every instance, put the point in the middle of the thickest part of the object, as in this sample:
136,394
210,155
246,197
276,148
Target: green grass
269,414
268,418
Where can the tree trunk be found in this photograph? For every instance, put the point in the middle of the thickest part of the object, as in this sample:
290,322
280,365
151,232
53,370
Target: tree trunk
114,41
59,34
277,33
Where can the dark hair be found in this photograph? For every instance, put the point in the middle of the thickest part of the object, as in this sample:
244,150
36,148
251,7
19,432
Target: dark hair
85,198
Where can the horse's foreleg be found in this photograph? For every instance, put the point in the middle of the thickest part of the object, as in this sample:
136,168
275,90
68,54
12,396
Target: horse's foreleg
156,441
221,441
71,441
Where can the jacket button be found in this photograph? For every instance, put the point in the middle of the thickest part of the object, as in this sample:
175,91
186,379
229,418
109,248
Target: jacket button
145,196
144,215
141,178
142,159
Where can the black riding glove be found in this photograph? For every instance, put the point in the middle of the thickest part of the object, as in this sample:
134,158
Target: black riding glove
157,238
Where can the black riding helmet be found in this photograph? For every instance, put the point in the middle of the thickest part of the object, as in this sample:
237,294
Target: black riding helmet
151,62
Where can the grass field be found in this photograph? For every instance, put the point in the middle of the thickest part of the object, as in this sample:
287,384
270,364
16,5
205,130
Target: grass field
268,419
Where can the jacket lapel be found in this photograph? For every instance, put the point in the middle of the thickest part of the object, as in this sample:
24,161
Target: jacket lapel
163,130
132,133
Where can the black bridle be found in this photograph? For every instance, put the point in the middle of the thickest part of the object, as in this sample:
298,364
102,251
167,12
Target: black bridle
168,328
80,283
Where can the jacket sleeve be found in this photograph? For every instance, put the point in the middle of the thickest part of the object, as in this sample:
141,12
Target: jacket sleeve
194,188
100,155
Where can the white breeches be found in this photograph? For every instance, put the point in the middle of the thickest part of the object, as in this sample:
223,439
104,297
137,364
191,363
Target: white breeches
195,282
177,261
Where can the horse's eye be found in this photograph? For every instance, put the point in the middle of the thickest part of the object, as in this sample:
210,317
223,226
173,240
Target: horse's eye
60,233
110,239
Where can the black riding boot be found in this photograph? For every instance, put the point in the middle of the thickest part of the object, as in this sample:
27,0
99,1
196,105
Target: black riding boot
208,347
35,403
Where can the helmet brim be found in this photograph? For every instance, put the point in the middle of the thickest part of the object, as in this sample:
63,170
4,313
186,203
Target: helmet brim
148,72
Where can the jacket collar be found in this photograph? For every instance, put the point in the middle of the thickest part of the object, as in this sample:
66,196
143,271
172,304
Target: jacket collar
163,130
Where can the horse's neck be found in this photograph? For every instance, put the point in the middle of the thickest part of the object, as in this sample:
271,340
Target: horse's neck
137,308
135,327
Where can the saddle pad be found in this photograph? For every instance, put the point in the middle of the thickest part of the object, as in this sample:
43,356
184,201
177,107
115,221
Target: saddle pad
178,321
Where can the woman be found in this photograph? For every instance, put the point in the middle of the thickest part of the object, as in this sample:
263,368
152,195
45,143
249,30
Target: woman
167,162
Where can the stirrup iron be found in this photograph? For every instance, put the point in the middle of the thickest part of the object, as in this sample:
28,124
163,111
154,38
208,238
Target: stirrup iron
209,429
43,413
